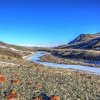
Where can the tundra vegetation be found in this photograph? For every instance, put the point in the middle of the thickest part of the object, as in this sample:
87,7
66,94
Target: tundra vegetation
25,80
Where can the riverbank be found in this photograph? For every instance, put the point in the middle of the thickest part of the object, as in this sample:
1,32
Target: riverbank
36,79
86,69
30,79
55,59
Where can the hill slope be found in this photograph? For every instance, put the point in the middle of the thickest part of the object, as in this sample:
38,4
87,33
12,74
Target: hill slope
85,37
84,41
23,48
14,50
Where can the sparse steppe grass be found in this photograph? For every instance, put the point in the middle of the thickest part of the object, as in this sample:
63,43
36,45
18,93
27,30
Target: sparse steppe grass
66,83
77,54
15,54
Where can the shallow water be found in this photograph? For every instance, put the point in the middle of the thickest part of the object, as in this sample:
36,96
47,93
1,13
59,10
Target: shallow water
36,57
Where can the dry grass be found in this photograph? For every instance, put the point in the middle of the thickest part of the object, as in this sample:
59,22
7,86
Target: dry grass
78,54
36,79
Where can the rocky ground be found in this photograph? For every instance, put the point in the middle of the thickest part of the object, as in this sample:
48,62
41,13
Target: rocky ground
24,80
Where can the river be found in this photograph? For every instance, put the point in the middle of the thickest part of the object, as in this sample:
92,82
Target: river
36,58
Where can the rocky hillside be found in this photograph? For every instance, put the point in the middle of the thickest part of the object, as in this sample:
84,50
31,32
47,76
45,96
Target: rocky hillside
84,41
85,37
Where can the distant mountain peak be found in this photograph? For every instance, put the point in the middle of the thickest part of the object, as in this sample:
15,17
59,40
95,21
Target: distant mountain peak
98,33
85,37
84,41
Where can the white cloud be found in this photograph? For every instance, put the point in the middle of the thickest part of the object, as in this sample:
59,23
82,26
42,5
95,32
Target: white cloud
39,45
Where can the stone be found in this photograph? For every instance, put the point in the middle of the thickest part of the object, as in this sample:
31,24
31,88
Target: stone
2,79
55,97
15,81
12,95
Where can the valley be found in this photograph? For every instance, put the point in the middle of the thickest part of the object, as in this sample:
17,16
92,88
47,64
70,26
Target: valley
24,76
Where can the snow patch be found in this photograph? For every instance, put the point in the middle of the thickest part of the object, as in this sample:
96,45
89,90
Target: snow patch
3,47
29,57
13,49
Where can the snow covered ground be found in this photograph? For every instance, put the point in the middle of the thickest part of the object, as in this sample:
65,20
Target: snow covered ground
3,47
29,57
15,50
12,49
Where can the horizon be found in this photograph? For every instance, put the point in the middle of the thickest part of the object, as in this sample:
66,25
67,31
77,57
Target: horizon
47,22
46,45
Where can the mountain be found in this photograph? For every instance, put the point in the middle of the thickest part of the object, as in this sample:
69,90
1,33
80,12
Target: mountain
84,41
85,37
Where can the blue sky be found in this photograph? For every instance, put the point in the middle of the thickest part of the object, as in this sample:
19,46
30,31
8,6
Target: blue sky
33,22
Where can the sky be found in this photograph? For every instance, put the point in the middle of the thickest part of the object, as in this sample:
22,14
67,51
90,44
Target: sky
47,22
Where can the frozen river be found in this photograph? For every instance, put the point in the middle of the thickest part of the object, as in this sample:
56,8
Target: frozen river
36,57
